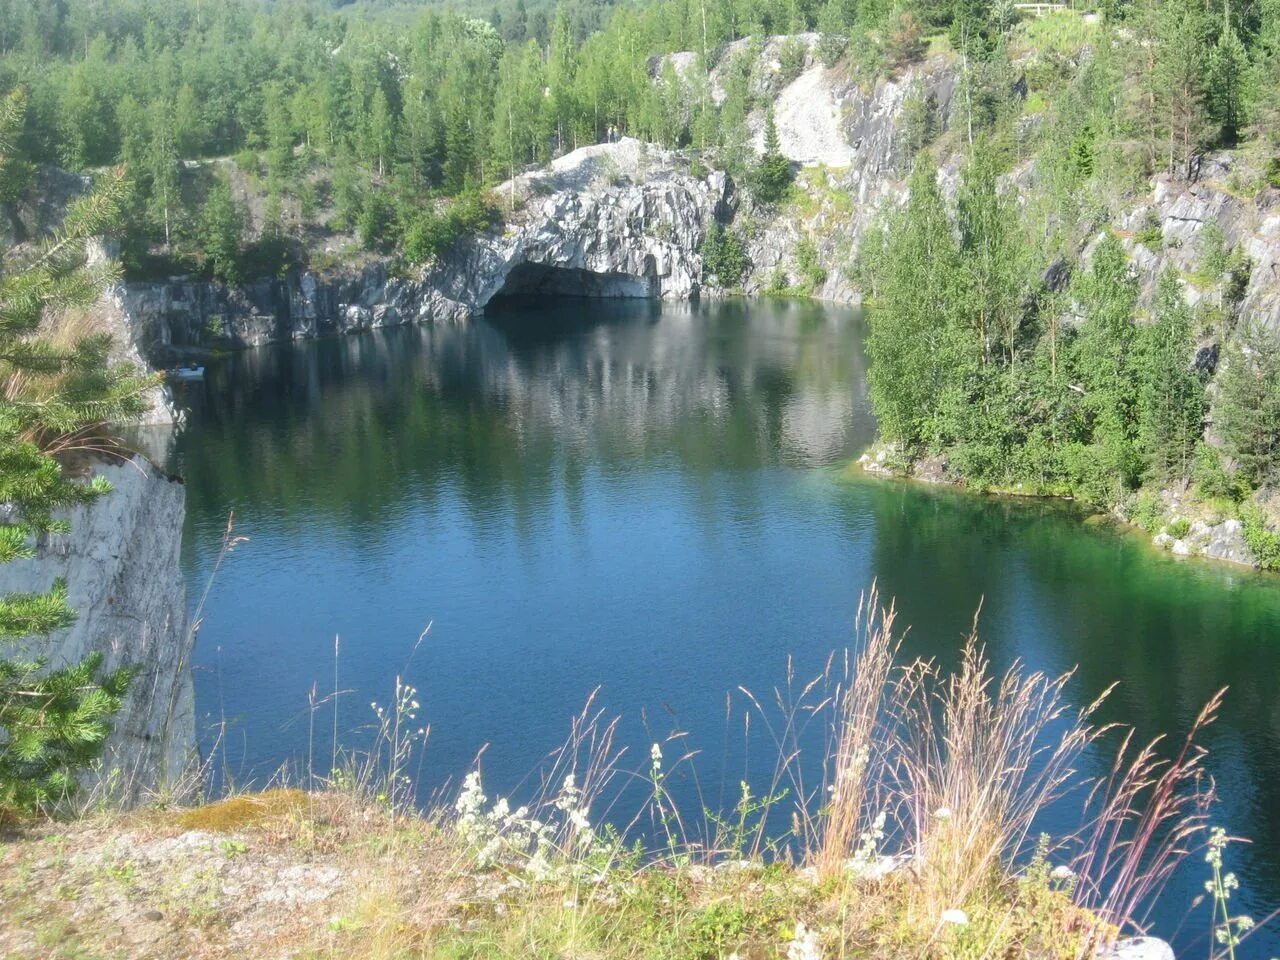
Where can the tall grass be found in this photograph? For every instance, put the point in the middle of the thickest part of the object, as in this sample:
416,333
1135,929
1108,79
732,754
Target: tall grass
947,773
924,820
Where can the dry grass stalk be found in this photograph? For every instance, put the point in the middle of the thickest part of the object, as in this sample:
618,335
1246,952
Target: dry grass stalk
857,757
953,768
1142,820
978,759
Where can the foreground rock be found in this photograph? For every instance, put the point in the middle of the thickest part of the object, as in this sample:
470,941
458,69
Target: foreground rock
121,563
287,874
1139,948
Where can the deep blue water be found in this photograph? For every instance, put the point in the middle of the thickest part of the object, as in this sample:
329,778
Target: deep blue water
651,500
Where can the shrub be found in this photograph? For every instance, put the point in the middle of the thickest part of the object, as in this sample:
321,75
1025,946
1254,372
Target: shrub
1213,252
434,233
376,222
247,162
791,57
1239,269
1179,528
815,275
272,255
1262,540
831,47
1150,235
428,237
1147,511
1211,477
919,120
1273,172
724,256
905,41
474,212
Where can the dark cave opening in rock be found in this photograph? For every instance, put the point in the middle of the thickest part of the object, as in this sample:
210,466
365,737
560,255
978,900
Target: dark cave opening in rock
528,281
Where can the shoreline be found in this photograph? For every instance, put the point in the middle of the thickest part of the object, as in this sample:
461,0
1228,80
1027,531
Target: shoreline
1223,537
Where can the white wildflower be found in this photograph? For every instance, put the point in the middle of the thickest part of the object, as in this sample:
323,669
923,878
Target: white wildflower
869,842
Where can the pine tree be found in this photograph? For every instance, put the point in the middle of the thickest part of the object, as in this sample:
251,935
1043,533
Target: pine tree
1171,401
52,722
1247,413
1262,104
1228,68
773,172
222,226
1180,81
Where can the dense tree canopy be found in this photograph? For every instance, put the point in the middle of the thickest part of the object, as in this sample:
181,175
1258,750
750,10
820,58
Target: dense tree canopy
397,105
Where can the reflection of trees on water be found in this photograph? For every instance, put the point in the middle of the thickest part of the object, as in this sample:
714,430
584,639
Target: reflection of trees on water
516,411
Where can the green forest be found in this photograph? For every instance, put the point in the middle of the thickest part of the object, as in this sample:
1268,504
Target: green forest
390,121
1086,389
380,112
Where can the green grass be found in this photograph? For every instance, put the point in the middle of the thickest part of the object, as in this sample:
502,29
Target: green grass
1062,33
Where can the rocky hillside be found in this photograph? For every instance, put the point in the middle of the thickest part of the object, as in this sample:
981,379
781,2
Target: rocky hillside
628,219
615,220
288,874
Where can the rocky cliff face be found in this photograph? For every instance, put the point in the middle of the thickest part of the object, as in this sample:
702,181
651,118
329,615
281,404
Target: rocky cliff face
624,219
121,563
610,220
1184,212
842,191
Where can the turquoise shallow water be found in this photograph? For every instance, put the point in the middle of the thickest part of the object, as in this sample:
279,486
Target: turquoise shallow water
650,500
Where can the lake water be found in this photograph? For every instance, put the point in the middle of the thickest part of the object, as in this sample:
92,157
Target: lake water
651,499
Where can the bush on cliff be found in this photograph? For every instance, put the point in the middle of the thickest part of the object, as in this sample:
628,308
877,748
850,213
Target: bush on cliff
772,177
59,391
724,256
434,233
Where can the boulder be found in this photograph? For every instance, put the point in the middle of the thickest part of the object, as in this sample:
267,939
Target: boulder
1138,948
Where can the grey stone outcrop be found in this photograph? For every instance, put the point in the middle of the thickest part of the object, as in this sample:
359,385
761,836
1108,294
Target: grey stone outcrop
617,219
121,564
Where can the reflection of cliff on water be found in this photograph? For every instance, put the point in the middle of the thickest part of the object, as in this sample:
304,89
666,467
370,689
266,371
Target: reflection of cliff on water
512,409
